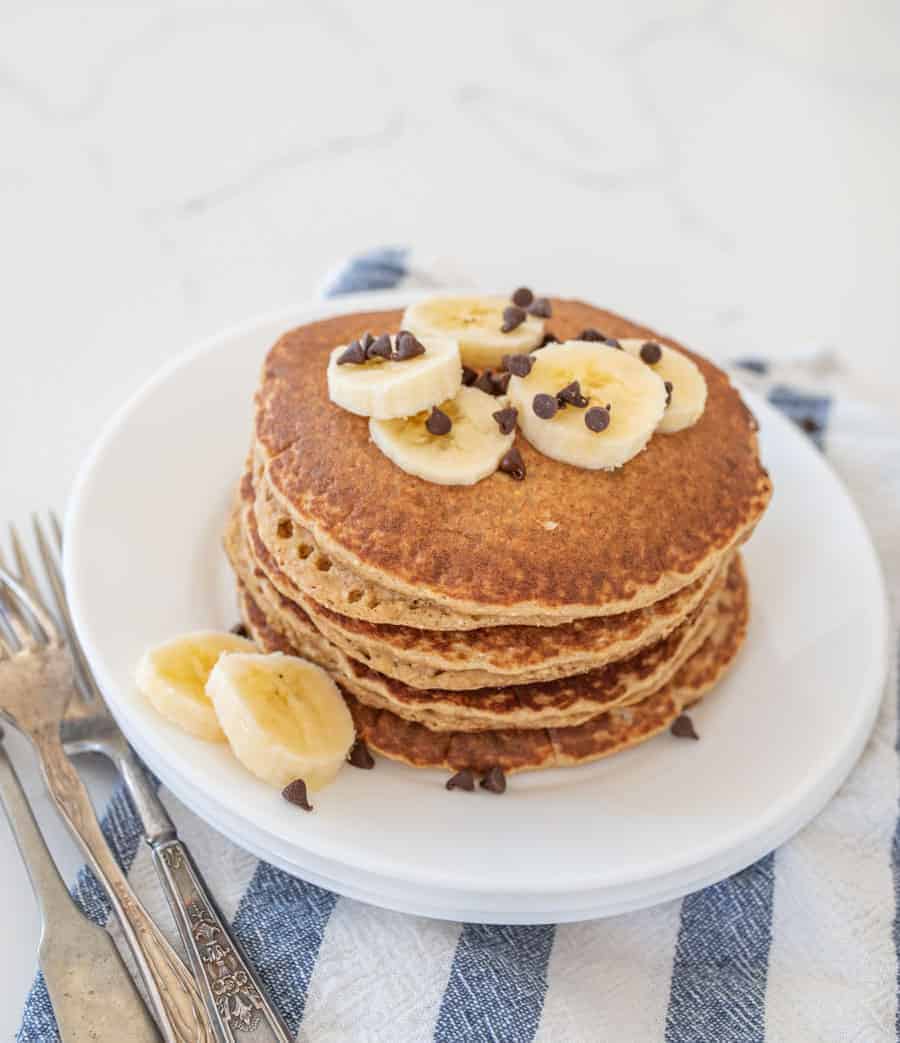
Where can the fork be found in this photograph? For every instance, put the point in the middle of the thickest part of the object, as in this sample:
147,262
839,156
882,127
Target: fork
36,684
235,998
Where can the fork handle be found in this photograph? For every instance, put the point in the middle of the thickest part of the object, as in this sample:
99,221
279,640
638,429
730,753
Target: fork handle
92,993
172,990
236,997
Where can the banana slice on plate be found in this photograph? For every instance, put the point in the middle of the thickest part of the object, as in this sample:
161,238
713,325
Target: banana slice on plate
394,386
458,443
477,324
687,392
588,404
173,676
284,717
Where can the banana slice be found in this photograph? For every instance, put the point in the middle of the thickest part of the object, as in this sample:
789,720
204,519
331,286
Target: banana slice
173,676
609,417
475,323
688,395
470,450
386,388
284,717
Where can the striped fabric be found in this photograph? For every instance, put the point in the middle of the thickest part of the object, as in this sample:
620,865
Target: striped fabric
802,946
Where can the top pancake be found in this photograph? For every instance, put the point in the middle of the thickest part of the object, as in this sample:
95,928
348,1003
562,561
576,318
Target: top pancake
565,540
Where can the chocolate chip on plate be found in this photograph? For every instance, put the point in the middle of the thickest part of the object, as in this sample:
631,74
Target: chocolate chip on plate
651,353
354,353
592,335
513,464
438,423
540,308
571,395
494,781
670,387
683,728
518,365
544,406
295,793
240,630
810,425
500,382
523,297
380,348
513,316
360,757
464,779
469,376
597,419
506,419
407,346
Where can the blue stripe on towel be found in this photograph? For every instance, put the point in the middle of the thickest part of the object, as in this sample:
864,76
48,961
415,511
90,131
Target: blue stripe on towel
381,269
718,991
495,992
753,365
281,922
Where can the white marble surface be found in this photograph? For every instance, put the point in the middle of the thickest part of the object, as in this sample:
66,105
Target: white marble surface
727,171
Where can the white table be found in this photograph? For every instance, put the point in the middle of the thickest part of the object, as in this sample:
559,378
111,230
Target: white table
728,174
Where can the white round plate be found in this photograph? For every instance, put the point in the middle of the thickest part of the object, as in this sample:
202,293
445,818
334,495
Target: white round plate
144,562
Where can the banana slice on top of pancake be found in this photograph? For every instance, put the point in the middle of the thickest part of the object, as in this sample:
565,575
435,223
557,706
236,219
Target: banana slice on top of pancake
588,404
457,443
283,716
685,383
486,328
393,376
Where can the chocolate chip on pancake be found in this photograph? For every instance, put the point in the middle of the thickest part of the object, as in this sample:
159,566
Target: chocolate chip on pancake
438,423
670,387
544,406
494,781
366,340
513,317
523,297
380,348
295,793
240,630
540,308
571,395
683,727
500,382
408,346
484,382
597,419
613,343
469,376
591,335
651,353
506,419
513,464
354,353
464,779
518,365
549,338
360,757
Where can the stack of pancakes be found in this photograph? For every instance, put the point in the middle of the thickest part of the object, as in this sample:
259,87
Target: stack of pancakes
511,624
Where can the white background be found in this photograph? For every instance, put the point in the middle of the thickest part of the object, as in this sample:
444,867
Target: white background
726,171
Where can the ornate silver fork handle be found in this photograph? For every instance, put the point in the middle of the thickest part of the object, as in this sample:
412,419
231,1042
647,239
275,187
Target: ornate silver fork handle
90,988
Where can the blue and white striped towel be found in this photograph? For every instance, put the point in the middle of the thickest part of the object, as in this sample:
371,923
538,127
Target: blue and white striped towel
802,946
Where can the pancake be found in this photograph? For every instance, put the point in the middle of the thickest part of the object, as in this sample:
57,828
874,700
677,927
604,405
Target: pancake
522,750
565,543
467,659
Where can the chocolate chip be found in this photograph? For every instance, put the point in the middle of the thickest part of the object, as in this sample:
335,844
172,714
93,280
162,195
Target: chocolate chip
438,423
240,630
571,395
670,387
354,353
651,353
469,376
485,382
506,419
549,338
513,464
464,779
360,757
295,793
810,425
366,341
500,382
540,308
597,419
592,335
513,316
380,348
518,365
683,727
494,781
544,406
612,343
407,347
523,297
